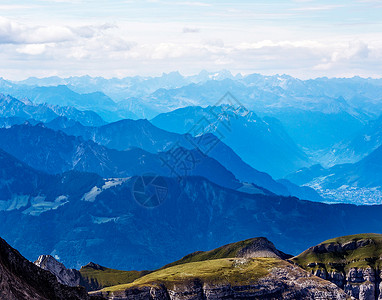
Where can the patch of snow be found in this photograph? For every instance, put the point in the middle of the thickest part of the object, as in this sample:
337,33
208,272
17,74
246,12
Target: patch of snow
16,202
95,191
113,182
40,205
92,194
102,220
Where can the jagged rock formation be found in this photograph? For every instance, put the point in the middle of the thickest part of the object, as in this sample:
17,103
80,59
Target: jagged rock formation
70,277
353,263
22,280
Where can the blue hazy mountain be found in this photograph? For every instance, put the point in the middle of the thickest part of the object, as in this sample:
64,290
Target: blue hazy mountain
367,139
365,173
17,111
357,96
137,86
62,95
315,130
33,192
55,152
126,134
357,183
262,143
112,228
325,106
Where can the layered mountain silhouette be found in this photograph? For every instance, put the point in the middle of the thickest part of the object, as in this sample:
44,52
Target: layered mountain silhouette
126,134
55,152
83,154
270,149
102,217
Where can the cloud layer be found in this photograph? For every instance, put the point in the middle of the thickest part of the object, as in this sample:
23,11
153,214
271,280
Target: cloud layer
163,36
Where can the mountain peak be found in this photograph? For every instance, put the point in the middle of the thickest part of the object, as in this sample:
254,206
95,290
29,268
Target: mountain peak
251,248
92,265
21,279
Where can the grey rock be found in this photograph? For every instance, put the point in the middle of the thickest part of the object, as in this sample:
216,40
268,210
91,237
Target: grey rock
22,280
70,277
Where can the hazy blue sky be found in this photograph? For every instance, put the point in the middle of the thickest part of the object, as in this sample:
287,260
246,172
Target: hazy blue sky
304,38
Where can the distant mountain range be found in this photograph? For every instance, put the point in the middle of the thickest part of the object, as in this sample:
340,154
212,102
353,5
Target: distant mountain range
355,91
357,183
313,124
55,152
365,173
14,111
127,136
357,96
332,110
353,149
103,216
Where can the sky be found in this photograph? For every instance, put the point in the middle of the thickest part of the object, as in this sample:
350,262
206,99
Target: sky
118,38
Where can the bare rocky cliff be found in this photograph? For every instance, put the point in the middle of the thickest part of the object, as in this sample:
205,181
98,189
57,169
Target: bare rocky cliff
353,263
360,283
70,277
22,280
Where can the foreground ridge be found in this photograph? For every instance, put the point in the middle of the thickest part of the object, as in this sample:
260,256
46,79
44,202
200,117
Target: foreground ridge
21,279
251,269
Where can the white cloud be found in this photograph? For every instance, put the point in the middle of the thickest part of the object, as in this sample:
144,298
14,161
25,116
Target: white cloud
32,49
4,7
12,32
194,3
155,36
317,8
190,30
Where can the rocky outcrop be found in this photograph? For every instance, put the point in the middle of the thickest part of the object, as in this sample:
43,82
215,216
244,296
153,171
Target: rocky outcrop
352,263
70,277
22,280
340,247
261,247
362,284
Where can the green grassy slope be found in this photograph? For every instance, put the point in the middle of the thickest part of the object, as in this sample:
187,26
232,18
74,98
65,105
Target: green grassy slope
96,277
227,251
237,271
